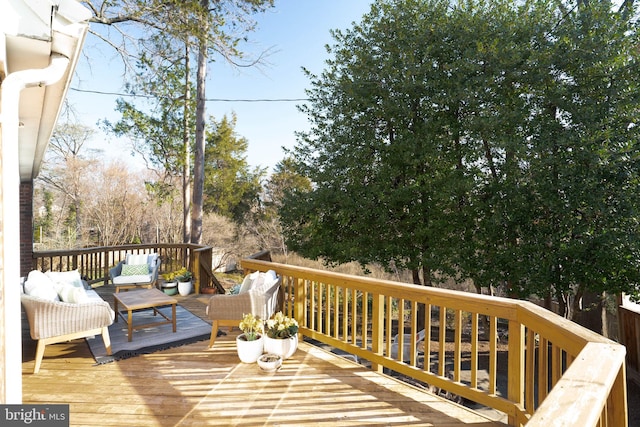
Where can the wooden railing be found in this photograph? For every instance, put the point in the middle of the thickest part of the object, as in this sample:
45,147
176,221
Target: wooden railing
536,367
94,263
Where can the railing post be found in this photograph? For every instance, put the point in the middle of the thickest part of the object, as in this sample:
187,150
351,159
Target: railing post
195,268
106,261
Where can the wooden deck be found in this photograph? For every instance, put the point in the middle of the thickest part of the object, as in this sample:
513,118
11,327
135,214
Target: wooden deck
192,385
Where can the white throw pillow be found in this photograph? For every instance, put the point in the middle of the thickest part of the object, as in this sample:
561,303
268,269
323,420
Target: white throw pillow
66,277
266,280
248,282
134,269
271,275
72,294
40,286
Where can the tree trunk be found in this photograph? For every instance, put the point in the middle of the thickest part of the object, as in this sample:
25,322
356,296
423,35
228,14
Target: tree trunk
186,171
198,165
416,276
592,312
426,276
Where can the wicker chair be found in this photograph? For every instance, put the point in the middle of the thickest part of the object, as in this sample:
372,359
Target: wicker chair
56,321
258,295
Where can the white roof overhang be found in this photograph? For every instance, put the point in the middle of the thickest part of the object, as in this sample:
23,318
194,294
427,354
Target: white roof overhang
33,31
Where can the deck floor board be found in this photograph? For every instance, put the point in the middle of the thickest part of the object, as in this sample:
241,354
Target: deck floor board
194,386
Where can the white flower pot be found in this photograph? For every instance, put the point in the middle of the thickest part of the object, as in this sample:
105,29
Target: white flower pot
249,351
184,288
270,362
284,347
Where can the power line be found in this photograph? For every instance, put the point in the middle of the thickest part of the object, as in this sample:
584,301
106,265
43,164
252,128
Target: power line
131,95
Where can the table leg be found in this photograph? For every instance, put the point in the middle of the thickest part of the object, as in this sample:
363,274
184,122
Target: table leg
173,316
130,323
115,307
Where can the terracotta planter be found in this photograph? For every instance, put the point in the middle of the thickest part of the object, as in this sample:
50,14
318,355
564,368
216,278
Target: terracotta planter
284,347
249,351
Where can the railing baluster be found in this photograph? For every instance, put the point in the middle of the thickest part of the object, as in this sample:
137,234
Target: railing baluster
365,320
400,332
388,325
345,314
556,361
336,311
442,342
457,353
354,317
493,353
543,369
515,356
427,337
530,375
414,333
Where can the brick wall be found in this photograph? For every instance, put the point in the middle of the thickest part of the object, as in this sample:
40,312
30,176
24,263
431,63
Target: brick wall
26,228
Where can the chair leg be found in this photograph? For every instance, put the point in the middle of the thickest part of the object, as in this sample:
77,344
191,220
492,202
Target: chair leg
214,333
39,355
106,339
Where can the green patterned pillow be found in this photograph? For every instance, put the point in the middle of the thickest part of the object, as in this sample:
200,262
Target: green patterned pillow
134,269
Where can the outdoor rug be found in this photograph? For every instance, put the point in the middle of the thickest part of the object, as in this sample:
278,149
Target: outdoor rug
190,329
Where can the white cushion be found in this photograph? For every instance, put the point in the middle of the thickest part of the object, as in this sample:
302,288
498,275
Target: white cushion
40,286
123,280
72,294
66,277
92,296
137,259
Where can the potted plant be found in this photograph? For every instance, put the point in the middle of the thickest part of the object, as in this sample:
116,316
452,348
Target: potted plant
184,281
281,335
170,283
183,275
249,344
180,278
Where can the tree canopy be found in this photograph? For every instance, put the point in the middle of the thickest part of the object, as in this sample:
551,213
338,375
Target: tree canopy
231,188
490,140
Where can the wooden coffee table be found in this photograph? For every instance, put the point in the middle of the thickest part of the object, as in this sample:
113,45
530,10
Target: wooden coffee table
141,299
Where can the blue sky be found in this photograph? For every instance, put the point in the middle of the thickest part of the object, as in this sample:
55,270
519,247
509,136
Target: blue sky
296,32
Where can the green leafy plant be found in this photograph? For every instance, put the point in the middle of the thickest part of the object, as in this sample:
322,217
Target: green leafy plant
251,326
281,326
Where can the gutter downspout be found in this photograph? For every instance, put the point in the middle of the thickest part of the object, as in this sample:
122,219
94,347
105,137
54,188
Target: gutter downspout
11,88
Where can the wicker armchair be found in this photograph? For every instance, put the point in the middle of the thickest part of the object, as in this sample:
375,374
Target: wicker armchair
258,295
56,321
